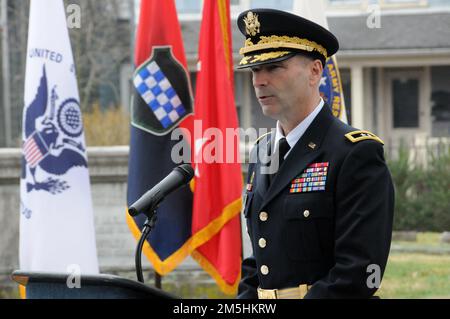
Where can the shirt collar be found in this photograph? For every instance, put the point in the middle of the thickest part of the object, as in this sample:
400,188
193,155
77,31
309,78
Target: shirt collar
294,135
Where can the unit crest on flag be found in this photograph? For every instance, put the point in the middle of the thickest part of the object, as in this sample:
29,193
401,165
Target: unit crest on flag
162,97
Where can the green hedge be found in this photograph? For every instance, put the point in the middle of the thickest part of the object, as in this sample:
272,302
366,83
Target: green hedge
422,192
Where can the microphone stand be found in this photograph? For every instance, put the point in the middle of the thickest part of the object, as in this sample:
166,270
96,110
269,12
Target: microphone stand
148,202
148,226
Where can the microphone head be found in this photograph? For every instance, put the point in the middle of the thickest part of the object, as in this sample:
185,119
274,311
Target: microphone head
171,182
133,211
186,170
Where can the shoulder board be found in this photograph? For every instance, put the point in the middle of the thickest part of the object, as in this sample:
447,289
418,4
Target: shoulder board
357,136
261,137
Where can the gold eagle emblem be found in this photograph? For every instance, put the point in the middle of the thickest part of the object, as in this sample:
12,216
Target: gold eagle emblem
252,25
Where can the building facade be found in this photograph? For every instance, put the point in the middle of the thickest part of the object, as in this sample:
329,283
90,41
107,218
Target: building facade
394,61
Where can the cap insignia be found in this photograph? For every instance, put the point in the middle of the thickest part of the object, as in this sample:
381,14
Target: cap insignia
252,25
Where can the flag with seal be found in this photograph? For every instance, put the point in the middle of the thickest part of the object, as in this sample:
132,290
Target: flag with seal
56,224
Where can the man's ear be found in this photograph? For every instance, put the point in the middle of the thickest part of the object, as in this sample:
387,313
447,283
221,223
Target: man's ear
316,72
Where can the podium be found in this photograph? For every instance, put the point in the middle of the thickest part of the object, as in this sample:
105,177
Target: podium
42,285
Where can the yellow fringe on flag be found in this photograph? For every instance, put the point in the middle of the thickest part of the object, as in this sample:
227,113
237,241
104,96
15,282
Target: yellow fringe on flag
225,287
222,5
22,292
198,239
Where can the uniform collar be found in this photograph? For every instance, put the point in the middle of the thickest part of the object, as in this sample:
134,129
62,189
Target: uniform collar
294,135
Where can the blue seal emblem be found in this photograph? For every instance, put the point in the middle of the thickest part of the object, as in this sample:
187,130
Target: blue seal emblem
52,142
69,118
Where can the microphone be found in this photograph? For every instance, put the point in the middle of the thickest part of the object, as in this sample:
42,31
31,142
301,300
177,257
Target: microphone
179,176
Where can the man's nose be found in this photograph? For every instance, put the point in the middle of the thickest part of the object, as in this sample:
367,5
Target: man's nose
260,79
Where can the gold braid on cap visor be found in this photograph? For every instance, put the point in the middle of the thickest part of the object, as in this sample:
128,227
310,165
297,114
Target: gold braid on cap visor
263,57
285,42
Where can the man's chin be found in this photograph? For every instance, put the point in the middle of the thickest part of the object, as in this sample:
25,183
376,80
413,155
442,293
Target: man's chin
269,111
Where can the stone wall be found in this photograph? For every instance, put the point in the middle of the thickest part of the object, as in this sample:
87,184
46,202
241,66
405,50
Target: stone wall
108,168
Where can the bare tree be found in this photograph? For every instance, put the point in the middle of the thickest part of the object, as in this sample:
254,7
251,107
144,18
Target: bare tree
100,46
18,12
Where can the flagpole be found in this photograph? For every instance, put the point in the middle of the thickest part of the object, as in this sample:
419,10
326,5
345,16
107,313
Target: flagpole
5,72
157,280
132,5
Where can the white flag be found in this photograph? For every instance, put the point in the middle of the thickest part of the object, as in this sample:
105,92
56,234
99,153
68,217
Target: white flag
331,84
56,226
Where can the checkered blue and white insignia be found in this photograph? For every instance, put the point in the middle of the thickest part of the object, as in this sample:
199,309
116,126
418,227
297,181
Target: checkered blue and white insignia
157,92
312,179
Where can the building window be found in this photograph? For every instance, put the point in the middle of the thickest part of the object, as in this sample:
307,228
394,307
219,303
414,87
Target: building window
345,2
405,98
439,3
285,5
440,101
400,1
189,6
363,4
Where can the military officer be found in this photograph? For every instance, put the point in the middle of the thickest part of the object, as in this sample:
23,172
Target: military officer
320,223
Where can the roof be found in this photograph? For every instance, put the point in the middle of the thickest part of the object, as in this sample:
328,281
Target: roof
412,31
397,32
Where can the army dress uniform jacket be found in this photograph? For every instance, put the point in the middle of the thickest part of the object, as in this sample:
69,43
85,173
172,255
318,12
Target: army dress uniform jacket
325,217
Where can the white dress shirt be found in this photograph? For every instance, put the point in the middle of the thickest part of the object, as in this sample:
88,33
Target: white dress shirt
294,135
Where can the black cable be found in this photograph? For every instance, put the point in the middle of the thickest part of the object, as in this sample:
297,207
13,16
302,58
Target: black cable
138,257
148,225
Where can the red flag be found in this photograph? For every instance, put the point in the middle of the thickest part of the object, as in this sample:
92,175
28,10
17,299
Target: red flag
218,186
158,25
211,232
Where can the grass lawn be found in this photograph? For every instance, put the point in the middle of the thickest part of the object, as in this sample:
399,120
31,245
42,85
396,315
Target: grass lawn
418,275
432,239
425,241
411,275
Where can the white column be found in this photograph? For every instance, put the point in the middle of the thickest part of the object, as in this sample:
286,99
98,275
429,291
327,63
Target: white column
247,100
383,107
357,97
425,119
